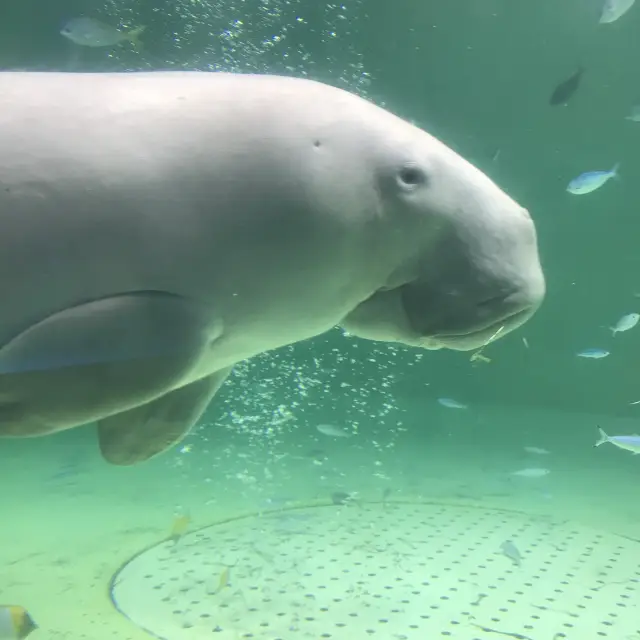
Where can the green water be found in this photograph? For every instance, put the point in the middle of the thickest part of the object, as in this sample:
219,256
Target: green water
478,75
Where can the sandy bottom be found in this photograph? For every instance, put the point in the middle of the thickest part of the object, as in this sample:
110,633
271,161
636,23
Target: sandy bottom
71,520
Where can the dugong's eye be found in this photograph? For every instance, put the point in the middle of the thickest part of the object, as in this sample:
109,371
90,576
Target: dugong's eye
411,175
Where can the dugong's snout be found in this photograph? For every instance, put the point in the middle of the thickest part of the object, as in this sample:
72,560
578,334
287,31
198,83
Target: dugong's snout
479,281
484,279
466,267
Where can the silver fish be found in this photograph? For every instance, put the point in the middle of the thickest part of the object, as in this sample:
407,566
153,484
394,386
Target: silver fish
595,354
450,403
89,32
531,472
511,551
537,451
629,443
634,115
614,9
625,323
332,430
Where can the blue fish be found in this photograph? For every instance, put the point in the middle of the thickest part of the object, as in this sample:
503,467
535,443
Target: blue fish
591,180
630,443
593,353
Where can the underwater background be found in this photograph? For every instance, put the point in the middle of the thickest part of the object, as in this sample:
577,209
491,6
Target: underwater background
412,426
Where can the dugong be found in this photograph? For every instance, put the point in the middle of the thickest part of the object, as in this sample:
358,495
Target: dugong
156,228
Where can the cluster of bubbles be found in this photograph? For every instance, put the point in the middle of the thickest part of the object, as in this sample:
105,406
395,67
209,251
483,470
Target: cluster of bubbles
260,432
292,37
301,385
297,386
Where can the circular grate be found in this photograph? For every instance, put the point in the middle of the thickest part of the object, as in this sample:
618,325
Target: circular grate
393,571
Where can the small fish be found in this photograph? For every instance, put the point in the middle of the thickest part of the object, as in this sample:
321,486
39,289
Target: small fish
630,443
591,180
179,528
450,403
15,622
566,88
511,551
341,497
625,323
332,430
634,115
595,354
278,502
224,579
539,451
614,9
477,355
532,472
89,32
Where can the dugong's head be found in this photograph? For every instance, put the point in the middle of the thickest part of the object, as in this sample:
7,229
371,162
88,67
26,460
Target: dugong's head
466,262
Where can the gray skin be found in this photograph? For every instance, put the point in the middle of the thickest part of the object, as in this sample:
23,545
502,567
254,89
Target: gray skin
157,228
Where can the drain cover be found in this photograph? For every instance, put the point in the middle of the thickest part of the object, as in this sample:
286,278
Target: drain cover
391,572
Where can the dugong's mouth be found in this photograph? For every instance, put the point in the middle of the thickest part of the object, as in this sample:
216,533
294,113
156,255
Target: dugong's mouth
479,337
383,316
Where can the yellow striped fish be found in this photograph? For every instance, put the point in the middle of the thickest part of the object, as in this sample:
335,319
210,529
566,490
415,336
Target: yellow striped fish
15,622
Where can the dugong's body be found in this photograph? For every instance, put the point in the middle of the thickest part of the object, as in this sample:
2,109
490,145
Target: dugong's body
157,228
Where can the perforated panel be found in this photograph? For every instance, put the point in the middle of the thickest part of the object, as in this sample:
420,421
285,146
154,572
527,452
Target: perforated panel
386,571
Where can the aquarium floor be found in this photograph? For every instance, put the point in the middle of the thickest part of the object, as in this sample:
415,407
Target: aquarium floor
385,570
426,564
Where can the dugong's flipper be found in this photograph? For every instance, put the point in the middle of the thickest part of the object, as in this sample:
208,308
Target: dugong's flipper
142,432
97,359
